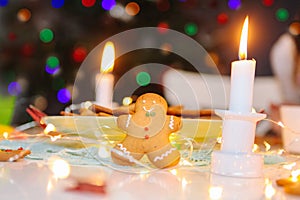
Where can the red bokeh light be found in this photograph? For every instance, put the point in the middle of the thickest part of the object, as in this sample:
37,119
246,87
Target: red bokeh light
79,54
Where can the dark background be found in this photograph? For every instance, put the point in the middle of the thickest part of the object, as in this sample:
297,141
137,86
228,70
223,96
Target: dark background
79,27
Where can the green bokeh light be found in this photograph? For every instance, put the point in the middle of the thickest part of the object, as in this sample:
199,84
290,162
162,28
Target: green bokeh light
191,29
58,83
46,35
143,78
52,62
282,14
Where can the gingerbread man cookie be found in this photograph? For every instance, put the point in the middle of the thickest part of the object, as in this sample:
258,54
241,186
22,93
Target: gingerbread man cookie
148,130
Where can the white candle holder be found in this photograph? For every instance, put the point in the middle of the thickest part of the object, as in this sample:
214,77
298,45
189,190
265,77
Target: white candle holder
236,157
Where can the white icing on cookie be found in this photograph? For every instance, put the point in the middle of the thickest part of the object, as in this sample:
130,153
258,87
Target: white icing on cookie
171,125
127,153
128,121
162,156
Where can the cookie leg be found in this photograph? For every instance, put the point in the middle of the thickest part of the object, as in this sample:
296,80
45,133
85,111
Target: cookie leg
167,156
121,155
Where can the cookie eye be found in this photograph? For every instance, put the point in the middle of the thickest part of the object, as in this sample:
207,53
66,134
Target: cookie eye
144,101
154,101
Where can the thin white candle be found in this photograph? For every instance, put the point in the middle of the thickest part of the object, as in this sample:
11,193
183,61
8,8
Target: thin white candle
105,80
242,77
238,131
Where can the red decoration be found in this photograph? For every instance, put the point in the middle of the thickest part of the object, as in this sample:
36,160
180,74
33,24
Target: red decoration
79,54
268,2
162,27
222,18
163,5
27,50
88,3
12,36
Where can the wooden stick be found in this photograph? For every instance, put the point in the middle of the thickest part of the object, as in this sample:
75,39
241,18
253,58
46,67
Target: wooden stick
68,113
97,109
173,110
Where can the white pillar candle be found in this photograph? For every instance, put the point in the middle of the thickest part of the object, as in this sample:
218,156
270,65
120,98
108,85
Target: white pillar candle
241,89
105,80
104,89
242,77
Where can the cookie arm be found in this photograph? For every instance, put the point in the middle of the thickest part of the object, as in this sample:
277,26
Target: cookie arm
123,121
174,123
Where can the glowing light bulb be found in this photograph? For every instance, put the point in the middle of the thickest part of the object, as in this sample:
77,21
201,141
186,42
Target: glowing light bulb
269,189
289,166
5,135
59,167
267,146
215,192
295,174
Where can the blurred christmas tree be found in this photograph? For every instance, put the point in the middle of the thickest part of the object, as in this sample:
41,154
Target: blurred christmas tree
43,43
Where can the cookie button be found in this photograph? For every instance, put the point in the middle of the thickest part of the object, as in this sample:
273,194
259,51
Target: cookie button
146,137
146,129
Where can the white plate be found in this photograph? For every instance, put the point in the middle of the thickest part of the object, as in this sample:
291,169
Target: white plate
91,125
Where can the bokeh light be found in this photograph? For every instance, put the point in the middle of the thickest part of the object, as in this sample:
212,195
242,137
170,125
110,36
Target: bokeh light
88,3
117,11
3,2
212,59
46,35
59,167
14,88
163,27
79,54
282,14
166,48
24,15
143,78
52,62
12,36
234,4
222,18
64,95
40,102
163,5
267,2
58,83
108,4
294,28
132,8
27,49
127,101
57,3
50,70
191,29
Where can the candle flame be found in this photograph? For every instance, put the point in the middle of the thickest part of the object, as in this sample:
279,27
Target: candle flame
108,58
243,40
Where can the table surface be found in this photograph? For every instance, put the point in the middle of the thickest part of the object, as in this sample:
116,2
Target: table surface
32,177
27,179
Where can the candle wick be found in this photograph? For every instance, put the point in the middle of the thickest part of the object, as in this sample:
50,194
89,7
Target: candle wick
242,56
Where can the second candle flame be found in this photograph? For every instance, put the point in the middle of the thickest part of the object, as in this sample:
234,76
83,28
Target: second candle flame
108,57
243,41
